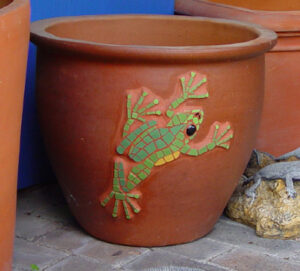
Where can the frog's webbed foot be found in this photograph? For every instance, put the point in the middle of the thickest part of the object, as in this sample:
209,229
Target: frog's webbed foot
221,137
126,201
121,199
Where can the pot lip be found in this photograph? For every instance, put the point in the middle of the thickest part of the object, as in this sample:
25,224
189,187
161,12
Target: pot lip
265,40
290,17
15,4
261,11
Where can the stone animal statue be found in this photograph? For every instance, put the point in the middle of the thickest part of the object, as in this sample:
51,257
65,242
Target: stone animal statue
287,171
285,167
293,155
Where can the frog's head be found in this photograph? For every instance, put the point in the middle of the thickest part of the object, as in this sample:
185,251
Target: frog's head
189,120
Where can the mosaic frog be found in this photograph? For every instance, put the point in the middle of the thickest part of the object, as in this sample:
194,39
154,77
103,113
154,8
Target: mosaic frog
151,146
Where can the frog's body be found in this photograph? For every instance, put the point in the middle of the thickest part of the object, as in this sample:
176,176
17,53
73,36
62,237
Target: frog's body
150,146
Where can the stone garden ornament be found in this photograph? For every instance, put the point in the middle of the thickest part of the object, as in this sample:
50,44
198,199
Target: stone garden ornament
267,199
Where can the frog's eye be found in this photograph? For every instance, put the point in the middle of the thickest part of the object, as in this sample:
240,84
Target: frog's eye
191,130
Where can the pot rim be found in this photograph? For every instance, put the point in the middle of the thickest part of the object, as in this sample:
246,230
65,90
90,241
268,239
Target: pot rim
11,7
266,39
286,21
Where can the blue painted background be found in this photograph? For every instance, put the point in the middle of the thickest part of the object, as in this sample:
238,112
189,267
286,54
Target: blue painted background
33,166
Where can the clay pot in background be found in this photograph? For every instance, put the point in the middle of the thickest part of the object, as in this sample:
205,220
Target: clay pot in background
167,179
14,37
280,131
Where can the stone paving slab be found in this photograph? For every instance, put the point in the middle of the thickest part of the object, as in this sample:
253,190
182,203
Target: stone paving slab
48,236
202,249
30,227
66,239
114,255
240,235
27,253
154,260
79,263
244,260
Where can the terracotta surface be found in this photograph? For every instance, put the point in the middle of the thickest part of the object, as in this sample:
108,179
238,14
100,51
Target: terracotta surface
87,67
14,37
279,132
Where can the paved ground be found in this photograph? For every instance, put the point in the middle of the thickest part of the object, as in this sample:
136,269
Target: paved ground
48,236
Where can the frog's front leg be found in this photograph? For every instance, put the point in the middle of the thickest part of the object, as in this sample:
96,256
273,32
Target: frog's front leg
121,191
221,136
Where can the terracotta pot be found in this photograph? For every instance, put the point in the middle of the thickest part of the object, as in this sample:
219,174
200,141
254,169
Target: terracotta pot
280,131
121,100
14,37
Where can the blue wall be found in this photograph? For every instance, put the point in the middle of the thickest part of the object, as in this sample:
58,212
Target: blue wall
33,166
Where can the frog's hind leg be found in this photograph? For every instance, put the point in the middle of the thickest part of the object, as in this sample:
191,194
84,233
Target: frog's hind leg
119,195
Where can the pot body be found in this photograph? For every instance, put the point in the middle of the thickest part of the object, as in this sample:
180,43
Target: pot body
14,37
83,105
279,132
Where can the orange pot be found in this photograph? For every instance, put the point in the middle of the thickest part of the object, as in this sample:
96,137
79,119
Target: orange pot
280,130
147,120
14,37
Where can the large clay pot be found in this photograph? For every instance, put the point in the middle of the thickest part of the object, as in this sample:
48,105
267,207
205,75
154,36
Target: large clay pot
14,37
280,131
121,100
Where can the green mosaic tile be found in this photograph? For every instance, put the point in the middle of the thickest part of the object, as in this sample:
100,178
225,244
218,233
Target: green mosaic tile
185,149
141,145
180,136
155,134
148,139
202,150
142,176
133,178
175,120
136,157
160,144
170,113
147,170
150,148
132,136
130,185
120,150
116,187
167,151
120,196
141,166
148,163
125,143
182,118
160,154
210,146
135,170
178,143
175,130
154,157
143,154
152,122
121,173
174,148
180,100
196,120
163,131
144,127
168,138
193,152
